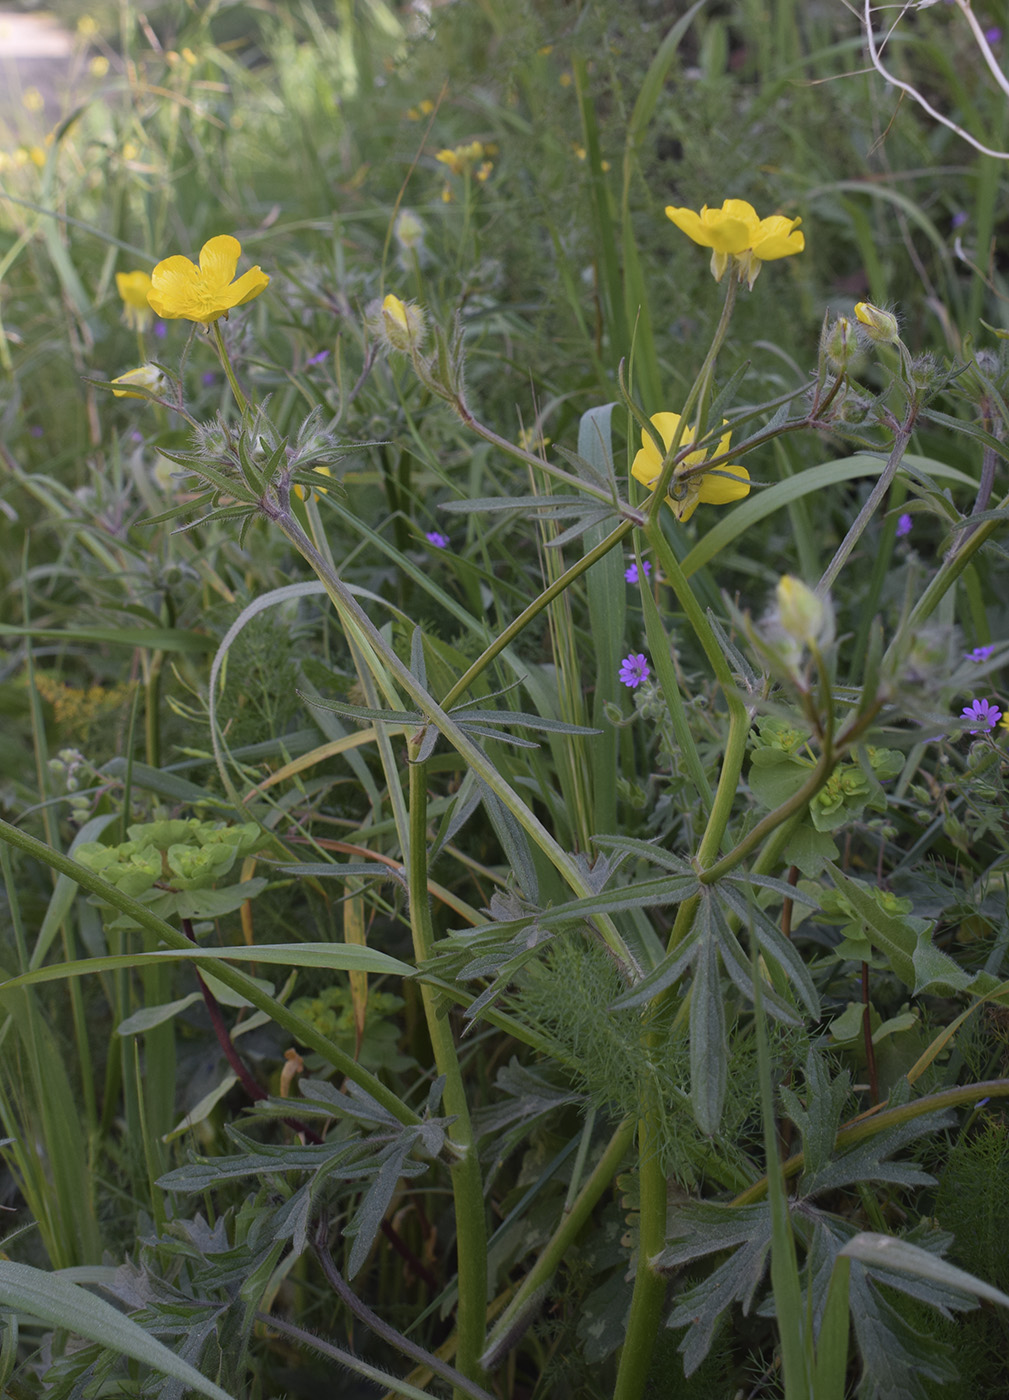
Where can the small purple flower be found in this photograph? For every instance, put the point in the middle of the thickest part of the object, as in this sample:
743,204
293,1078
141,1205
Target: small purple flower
903,525
979,654
160,329
993,35
35,430
317,359
634,669
959,218
208,377
436,538
631,574
983,714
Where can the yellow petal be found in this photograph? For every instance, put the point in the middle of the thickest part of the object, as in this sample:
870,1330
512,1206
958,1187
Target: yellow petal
688,222
718,490
173,288
249,285
740,210
218,261
777,237
133,288
647,463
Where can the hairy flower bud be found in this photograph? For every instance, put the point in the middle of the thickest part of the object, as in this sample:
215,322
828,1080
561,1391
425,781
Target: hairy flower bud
146,377
804,615
880,325
839,343
403,324
408,230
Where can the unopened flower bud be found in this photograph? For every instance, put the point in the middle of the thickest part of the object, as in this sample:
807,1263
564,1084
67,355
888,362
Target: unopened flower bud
804,615
880,326
840,343
408,230
146,377
403,324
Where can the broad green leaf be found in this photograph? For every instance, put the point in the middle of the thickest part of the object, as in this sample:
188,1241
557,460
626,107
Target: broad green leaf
904,941
759,504
156,638
64,1305
883,1252
334,957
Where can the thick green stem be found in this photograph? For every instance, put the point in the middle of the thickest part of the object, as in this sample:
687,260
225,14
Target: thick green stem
467,1186
649,1287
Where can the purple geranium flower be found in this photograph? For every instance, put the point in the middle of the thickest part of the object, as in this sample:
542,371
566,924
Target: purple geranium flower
631,574
903,525
979,654
993,35
436,538
634,669
983,716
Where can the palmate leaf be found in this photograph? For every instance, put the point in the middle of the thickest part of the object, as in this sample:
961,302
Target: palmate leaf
705,1229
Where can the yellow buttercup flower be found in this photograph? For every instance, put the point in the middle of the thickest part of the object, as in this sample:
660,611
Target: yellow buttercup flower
134,288
183,291
687,493
736,232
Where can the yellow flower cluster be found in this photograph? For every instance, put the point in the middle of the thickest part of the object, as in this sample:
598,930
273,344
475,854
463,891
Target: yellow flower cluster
468,160
736,232
78,710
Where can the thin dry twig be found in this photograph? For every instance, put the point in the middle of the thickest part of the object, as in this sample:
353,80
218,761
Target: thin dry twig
914,94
